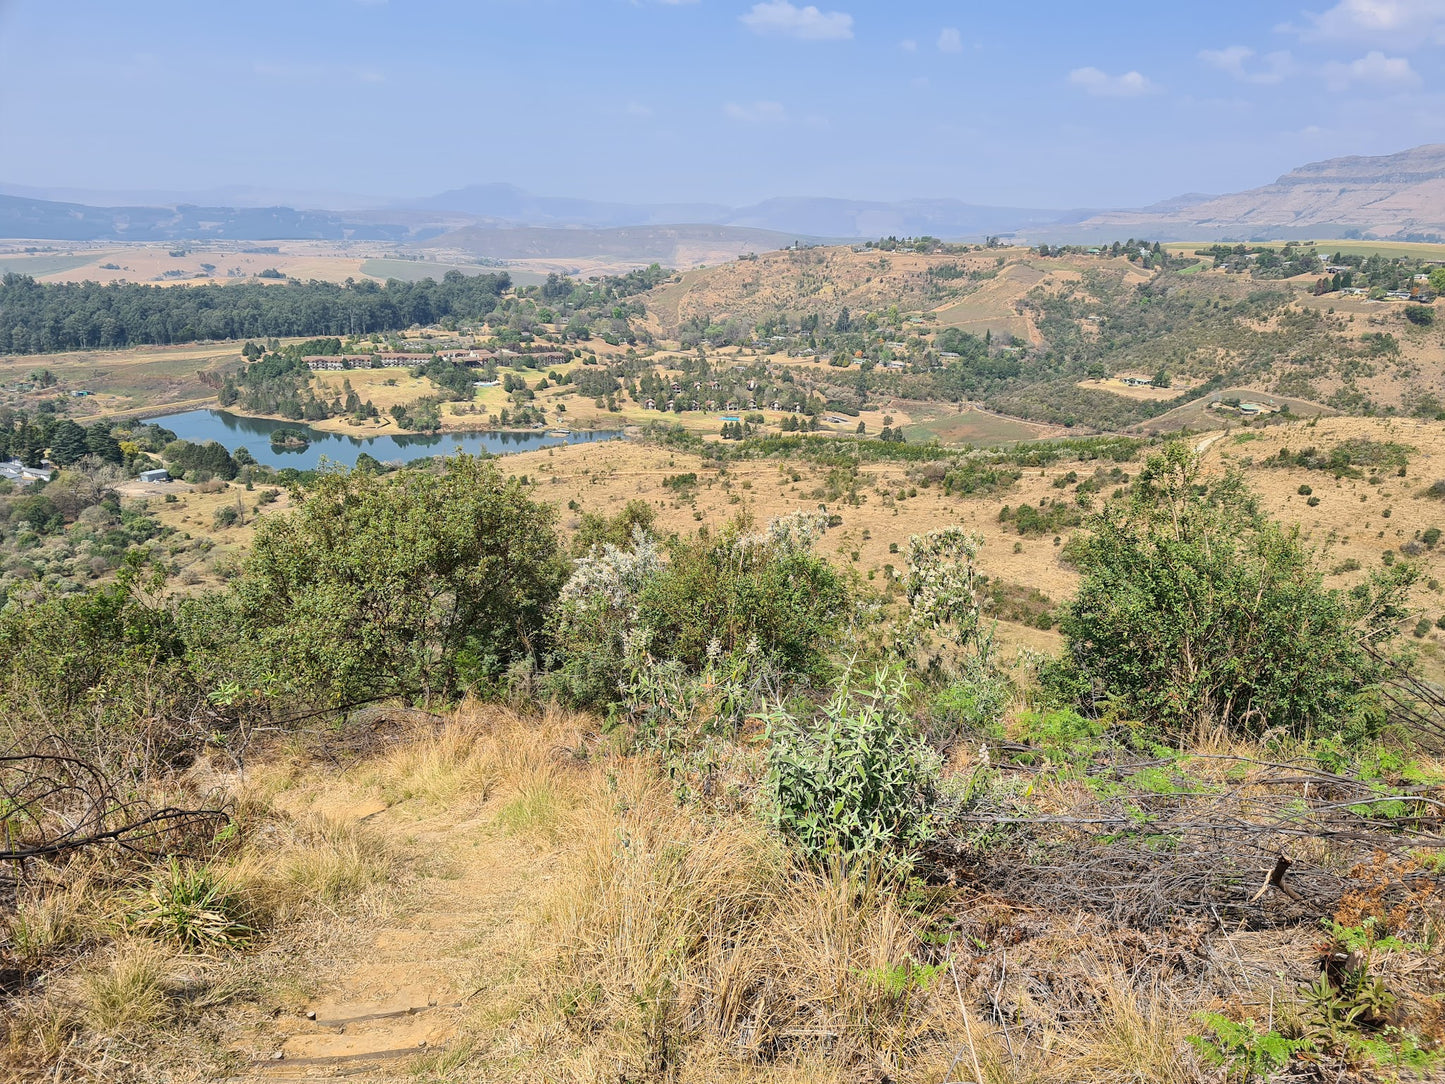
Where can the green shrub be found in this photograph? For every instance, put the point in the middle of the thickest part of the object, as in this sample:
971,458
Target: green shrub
1304,491
734,588
970,703
1061,735
417,583
105,670
765,595
1194,607
855,787
617,530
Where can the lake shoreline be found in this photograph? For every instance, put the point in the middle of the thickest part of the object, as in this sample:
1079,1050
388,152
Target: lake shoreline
235,431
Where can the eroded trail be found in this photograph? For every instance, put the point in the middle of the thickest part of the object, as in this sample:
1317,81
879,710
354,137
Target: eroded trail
401,982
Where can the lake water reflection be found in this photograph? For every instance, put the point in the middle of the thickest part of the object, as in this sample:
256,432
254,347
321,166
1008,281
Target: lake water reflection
254,434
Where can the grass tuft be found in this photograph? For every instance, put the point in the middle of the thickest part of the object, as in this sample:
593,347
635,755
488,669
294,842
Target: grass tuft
127,993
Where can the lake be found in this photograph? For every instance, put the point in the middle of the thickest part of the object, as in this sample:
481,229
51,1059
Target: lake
254,434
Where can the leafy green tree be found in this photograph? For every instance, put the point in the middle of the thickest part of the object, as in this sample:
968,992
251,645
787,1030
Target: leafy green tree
414,584
105,670
210,458
1196,609
100,443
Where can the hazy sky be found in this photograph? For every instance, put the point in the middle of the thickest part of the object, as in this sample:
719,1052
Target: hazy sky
1039,104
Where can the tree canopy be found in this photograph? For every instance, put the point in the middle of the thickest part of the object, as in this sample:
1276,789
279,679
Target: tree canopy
412,585
43,317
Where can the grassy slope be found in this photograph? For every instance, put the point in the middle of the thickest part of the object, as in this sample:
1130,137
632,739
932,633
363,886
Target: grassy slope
456,908
498,898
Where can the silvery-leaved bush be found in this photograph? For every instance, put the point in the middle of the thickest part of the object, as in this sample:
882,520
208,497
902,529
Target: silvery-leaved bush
793,533
941,591
612,577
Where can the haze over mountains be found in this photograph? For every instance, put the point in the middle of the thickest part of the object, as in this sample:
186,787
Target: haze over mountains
1392,196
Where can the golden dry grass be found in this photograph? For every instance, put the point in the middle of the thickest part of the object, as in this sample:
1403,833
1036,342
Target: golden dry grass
653,941
306,862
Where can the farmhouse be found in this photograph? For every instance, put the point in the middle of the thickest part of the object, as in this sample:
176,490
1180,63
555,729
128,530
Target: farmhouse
19,474
160,474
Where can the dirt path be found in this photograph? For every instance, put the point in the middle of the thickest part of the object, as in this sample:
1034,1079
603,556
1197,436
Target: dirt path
1203,445
401,990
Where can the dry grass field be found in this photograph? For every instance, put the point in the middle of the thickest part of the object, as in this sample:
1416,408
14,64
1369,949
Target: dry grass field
1116,386
184,263
1388,249
238,261
1353,526
154,379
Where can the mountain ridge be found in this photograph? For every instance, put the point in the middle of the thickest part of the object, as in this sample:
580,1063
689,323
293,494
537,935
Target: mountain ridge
1394,196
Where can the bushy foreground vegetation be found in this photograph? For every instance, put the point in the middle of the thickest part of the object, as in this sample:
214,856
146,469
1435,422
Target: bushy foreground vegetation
802,830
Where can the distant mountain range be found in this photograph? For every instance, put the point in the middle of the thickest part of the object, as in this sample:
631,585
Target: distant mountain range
1392,196
504,204
1397,196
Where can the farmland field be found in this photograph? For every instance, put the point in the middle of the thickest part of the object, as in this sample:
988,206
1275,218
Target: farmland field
119,381
39,266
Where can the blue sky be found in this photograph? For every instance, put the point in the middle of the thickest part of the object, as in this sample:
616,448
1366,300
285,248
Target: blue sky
1026,104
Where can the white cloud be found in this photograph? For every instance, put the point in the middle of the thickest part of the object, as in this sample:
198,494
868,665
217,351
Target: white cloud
756,112
784,18
1403,23
1103,85
950,40
908,45
1234,61
1372,69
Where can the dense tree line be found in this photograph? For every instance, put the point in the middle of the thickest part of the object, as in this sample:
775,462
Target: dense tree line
41,317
